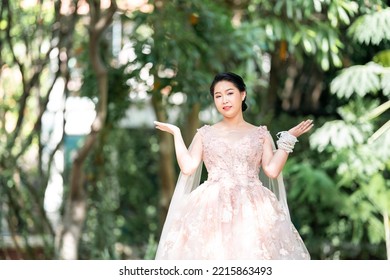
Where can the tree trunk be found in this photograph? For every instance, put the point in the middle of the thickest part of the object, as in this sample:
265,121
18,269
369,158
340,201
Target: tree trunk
192,124
269,103
76,207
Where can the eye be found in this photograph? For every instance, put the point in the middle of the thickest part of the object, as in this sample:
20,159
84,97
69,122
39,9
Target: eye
230,93
217,96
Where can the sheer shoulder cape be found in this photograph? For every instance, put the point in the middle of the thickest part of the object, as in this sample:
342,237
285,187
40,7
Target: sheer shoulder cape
188,183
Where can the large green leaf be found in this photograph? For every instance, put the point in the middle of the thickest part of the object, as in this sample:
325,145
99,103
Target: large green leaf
378,193
371,28
337,134
359,79
383,58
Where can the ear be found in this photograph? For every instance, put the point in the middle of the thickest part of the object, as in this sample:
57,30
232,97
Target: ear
243,95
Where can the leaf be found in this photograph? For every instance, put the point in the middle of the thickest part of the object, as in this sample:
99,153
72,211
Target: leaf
343,15
377,193
383,58
336,60
359,79
337,134
385,83
317,5
324,45
375,230
289,9
307,45
325,63
371,28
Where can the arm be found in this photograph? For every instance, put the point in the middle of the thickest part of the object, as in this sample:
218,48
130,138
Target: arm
273,163
188,160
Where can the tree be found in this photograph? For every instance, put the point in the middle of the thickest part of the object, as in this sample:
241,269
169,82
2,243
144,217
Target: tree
34,38
360,139
40,54
76,207
302,40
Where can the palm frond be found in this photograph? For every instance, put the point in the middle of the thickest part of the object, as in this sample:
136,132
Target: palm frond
362,29
361,79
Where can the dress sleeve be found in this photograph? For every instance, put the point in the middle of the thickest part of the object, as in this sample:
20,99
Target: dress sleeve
263,133
203,131
263,129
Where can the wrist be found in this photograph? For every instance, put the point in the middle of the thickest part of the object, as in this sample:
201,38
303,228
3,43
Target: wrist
291,132
286,141
176,132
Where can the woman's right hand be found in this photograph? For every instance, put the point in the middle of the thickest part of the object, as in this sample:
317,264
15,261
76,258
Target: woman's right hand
172,129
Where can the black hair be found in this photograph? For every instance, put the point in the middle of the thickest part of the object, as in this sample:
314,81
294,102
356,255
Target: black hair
233,78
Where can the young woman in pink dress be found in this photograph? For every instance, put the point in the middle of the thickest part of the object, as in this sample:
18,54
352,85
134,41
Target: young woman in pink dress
232,215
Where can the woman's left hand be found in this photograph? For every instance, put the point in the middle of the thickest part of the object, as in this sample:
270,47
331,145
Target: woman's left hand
301,128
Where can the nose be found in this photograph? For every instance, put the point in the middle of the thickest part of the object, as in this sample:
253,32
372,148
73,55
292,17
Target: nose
224,99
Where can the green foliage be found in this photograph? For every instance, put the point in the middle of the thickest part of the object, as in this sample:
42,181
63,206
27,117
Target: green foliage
118,95
28,34
360,167
355,150
310,28
383,58
184,53
361,79
27,29
123,205
361,29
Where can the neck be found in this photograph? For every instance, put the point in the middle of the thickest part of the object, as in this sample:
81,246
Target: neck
234,122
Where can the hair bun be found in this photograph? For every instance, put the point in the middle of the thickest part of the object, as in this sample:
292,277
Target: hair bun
244,106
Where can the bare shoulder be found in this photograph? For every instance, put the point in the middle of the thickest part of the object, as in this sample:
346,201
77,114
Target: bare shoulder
217,125
250,126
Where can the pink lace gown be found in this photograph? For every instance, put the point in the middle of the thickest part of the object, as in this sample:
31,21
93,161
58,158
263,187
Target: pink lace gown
232,215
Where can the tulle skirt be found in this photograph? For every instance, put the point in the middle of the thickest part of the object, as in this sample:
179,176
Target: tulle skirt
222,220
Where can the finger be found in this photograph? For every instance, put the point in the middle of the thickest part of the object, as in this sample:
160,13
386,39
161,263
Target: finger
302,124
305,124
308,128
309,123
159,126
304,127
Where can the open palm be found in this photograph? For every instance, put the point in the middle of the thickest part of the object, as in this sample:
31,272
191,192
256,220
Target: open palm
301,128
172,129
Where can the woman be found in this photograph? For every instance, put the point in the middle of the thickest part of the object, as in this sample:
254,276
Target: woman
232,215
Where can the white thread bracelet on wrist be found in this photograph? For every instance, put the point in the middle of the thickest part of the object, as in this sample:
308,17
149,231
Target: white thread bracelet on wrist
286,141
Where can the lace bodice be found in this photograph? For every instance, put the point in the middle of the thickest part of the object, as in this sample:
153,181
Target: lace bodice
233,155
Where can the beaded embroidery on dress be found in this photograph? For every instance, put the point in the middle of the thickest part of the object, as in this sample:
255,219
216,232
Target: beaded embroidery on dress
231,215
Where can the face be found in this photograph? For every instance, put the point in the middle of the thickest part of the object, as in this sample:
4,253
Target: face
228,99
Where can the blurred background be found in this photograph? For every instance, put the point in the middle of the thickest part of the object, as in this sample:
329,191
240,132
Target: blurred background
83,172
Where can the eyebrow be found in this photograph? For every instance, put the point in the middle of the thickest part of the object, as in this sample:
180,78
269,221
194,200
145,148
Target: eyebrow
225,90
